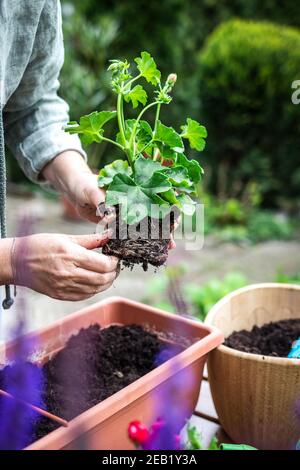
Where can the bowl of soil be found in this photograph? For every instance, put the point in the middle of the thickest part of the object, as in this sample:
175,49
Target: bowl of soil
105,366
255,387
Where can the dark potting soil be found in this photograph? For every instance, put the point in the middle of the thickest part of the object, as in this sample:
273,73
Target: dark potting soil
272,339
141,248
95,364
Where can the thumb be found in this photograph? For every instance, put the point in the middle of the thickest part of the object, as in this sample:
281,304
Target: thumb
96,195
92,241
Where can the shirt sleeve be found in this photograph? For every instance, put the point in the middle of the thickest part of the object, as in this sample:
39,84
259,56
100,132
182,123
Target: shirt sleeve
34,116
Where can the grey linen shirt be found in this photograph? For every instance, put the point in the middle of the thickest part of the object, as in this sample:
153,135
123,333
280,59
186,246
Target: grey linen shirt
31,57
31,112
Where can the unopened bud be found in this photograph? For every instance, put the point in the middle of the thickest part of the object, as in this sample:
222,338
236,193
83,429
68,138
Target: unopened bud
172,78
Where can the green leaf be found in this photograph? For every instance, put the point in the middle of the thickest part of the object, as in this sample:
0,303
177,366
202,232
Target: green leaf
195,133
129,123
96,120
158,183
147,174
89,138
170,196
135,203
107,173
90,126
139,192
128,128
178,176
136,95
193,168
160,207
169,138
214,445
143,135
194,438
186,204
136,200
147,68
144,169
166,152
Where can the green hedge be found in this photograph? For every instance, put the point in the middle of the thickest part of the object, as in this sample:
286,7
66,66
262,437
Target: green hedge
246,72
172,31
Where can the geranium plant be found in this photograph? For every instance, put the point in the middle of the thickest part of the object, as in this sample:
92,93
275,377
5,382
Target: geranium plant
156,175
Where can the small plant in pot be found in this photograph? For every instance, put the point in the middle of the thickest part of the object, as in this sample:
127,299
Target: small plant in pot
156,182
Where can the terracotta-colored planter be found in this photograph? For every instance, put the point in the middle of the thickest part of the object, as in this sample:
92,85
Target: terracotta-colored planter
255,396
105,425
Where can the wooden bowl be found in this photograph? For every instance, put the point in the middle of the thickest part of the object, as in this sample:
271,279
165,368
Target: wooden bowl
256,397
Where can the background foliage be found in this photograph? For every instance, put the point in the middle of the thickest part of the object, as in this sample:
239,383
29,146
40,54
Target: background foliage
246,71
252,133
199,298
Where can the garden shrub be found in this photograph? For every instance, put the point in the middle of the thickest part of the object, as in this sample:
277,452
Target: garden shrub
259,226
246,72
243,221
264,225
173,31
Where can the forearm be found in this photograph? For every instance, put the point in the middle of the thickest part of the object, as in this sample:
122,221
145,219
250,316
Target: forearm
34,116
6,274
65,172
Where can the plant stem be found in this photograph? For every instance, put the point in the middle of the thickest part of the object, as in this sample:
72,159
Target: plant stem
120,117
132,138
157,117
155,123
156,154
147,145
105,139
121,122
128,84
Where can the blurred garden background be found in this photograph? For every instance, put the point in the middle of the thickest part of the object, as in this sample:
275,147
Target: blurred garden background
236,62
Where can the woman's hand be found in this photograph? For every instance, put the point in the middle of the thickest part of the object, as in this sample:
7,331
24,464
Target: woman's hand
87,196
62,266
71,176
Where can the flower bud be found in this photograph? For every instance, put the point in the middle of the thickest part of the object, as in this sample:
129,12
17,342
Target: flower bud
172,78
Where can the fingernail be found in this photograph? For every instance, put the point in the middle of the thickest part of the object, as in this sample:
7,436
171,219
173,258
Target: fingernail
102,210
